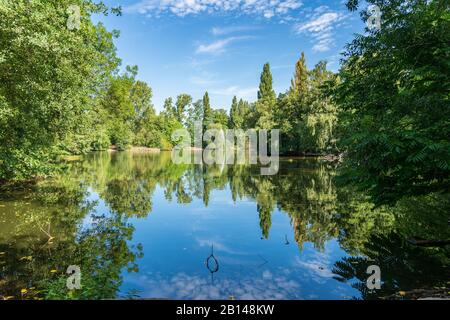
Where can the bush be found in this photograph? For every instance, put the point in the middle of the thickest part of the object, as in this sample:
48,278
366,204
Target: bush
100,141
165,144
150,139
121,136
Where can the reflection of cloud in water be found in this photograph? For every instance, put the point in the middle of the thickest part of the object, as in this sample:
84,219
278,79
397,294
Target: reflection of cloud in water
231,256
316,267
219,246
265,286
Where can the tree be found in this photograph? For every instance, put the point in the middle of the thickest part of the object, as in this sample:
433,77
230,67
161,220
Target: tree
318,116
245,114
195,115
291,106
169,109
147,125
266,84
220,118
235,121
150,133
168,123
49,78
207,112
266,101
238,113
394,92
121,108
299,84
141,98
305,114
183,101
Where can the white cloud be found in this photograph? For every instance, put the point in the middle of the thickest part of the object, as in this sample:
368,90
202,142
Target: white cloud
268,14
317,266
220,31
218,46
321,26
214,47
266,8
323,45
199,287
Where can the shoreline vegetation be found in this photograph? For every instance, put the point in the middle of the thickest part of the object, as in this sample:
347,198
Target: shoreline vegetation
92,106
142,149
336,158
136,149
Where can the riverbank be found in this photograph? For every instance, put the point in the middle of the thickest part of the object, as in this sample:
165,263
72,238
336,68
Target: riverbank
136,150
11,184
328,157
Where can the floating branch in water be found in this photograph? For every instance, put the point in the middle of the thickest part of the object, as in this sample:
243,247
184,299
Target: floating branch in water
212,263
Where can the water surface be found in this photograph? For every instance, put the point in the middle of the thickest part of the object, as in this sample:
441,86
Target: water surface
140,226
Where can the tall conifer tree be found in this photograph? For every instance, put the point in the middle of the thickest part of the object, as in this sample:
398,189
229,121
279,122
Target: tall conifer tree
299,84
207,112
234,114
266,84
265,106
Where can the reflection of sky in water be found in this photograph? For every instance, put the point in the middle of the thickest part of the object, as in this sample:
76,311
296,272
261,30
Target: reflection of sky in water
177,240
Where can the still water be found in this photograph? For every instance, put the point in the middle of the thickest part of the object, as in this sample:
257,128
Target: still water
139,226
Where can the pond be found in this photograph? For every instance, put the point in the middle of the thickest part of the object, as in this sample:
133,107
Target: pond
140,226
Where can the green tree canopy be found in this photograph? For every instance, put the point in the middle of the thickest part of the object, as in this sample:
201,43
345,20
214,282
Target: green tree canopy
395,92
48,78
183,101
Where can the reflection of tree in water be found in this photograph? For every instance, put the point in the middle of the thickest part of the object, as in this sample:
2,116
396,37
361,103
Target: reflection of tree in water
358,219
33,266
381,236
404,267
129,196
265,204
304,190
309,197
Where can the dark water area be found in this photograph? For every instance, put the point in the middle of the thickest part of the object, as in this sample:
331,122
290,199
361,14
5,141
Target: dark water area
139,226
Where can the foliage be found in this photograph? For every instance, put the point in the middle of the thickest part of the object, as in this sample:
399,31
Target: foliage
183,101
207,112
47,75
220,118
100,141
394,91
195,115
236,119
305,115
266,101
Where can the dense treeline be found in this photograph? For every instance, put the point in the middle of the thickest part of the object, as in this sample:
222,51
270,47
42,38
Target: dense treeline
387,110
62,93
51,81
394,95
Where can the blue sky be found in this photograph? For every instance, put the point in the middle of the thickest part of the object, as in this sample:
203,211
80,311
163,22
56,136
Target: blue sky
190,46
